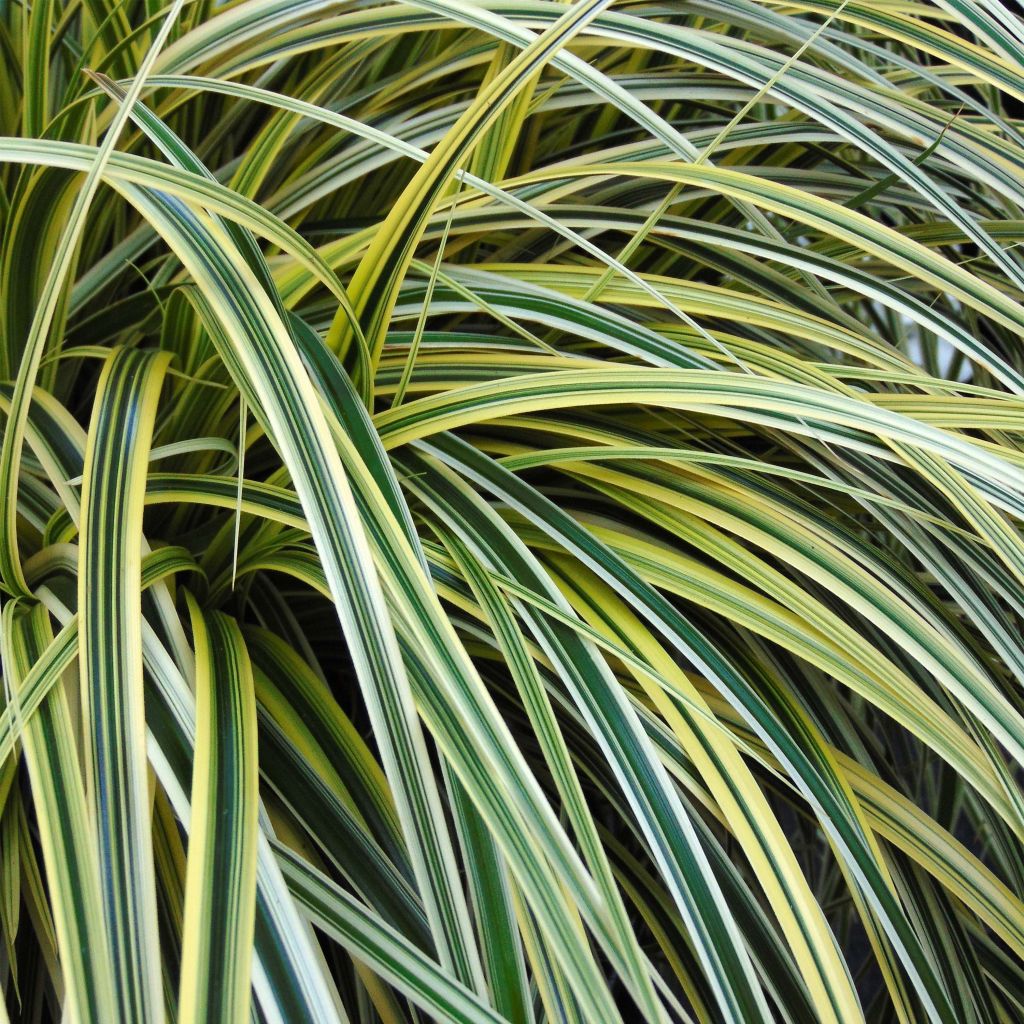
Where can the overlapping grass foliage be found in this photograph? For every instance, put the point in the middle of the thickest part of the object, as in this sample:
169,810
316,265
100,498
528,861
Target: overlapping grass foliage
512,511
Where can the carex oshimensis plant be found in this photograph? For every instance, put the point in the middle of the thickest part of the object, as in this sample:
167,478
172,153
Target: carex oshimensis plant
511,511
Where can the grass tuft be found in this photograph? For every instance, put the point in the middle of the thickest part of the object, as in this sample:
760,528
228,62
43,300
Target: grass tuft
512,511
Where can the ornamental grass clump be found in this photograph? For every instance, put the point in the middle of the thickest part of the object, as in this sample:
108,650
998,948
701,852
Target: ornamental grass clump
512,511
